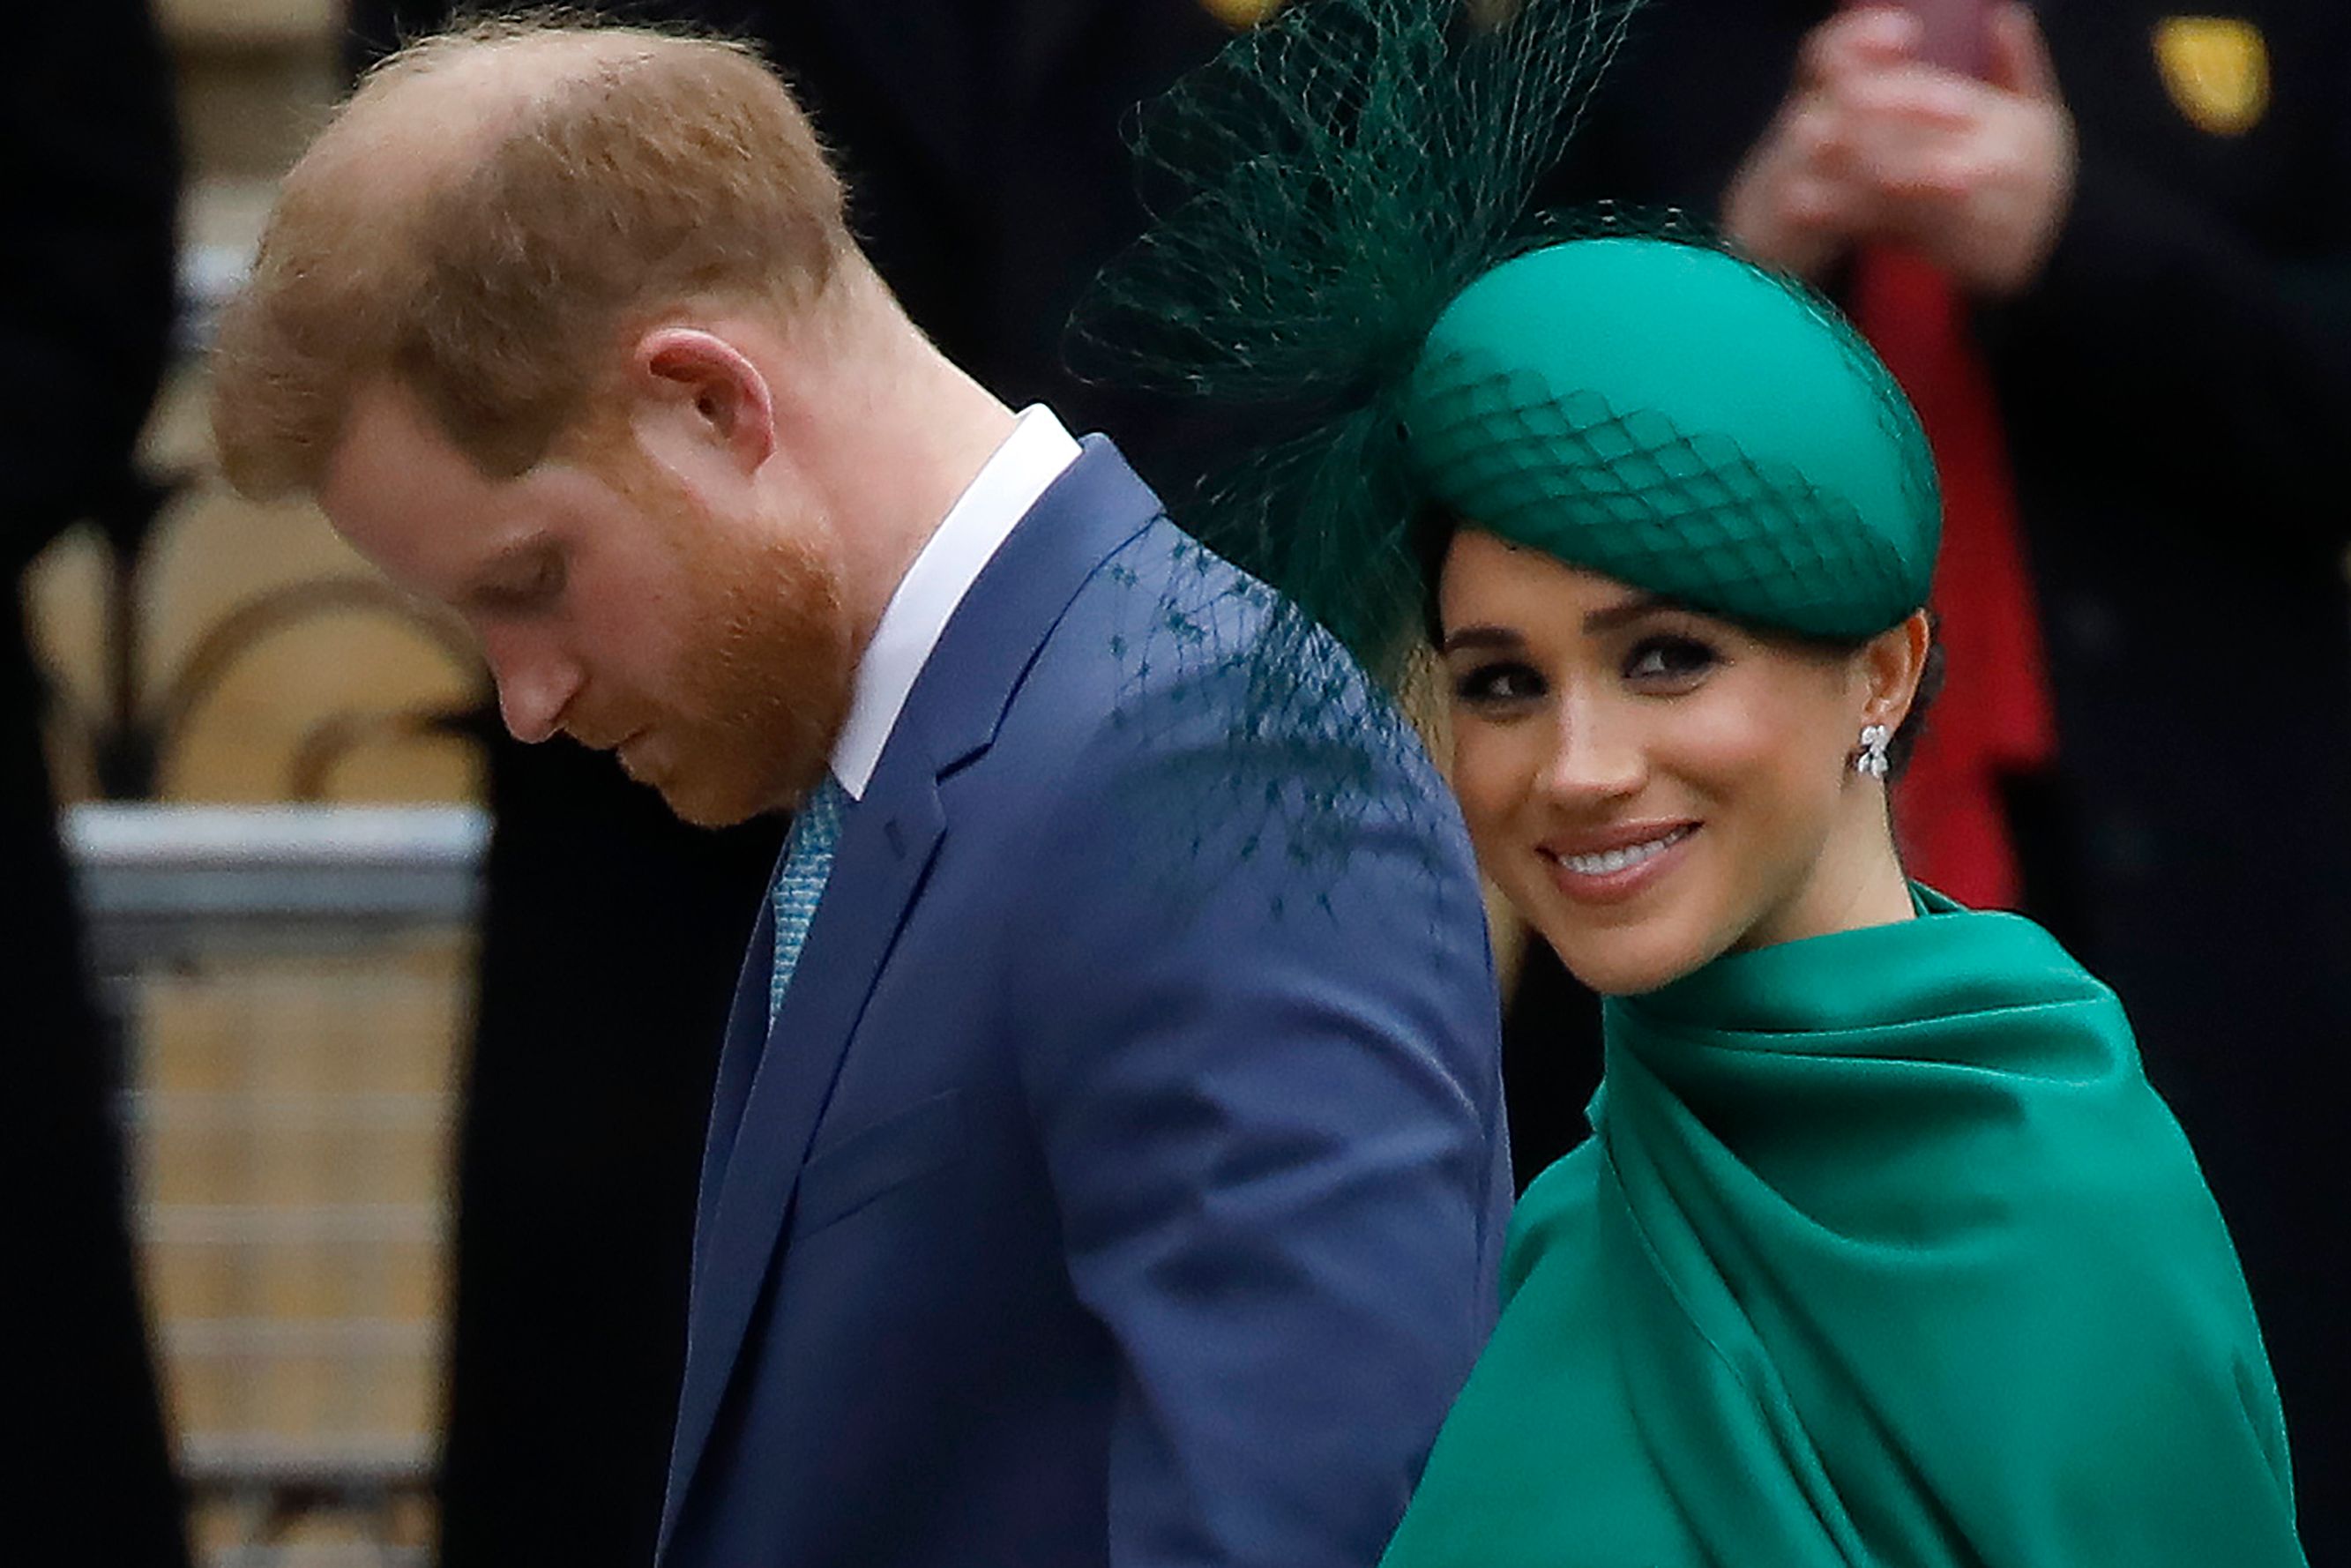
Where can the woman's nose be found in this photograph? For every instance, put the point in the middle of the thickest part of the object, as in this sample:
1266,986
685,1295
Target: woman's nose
1599,753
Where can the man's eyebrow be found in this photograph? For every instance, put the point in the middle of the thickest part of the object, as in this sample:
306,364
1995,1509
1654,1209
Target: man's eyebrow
497,577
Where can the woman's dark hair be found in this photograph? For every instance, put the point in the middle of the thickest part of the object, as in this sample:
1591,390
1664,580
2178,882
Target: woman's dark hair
1432,534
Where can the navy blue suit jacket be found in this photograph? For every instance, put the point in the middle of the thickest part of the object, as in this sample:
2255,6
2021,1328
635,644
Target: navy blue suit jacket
1124,1179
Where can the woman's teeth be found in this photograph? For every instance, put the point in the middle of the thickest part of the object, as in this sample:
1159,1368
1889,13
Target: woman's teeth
1609,862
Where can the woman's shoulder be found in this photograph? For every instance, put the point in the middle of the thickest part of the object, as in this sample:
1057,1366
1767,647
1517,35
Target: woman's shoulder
1953,991
1936,1082
1554,1216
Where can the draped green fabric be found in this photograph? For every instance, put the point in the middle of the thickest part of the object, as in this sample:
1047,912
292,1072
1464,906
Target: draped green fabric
1884,1252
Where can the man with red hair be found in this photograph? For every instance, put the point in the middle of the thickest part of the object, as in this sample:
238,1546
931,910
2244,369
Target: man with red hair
1106,1162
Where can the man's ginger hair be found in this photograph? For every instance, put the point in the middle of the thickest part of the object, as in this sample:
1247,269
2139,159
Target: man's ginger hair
488,216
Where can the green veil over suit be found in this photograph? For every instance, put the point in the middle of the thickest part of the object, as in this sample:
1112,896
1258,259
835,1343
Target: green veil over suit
1884,1252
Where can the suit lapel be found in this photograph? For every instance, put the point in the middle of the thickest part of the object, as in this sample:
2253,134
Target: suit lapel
773,1084
753,1166
738,1060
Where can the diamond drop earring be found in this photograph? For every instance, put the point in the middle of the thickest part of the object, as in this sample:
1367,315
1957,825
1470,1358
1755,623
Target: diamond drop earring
1870,761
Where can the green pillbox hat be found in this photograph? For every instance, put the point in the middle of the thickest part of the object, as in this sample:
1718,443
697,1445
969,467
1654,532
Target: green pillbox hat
1670,416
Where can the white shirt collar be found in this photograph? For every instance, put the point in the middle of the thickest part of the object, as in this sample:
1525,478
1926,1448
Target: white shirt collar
1036,454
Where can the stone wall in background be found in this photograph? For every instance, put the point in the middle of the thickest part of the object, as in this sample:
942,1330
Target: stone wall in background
288,1117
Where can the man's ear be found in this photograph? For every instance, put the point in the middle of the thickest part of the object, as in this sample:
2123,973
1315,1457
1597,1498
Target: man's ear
696,389
1892,665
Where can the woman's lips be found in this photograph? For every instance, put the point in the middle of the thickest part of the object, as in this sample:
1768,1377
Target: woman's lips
1612,867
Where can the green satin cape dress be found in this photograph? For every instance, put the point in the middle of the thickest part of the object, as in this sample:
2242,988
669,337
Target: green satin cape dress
1884,1252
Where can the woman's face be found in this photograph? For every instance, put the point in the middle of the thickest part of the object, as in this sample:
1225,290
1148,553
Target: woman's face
1650,787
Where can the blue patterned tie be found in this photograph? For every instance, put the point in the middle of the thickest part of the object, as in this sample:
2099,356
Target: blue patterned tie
807,862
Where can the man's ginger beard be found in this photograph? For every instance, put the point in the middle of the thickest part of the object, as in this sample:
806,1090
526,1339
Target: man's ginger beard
764,673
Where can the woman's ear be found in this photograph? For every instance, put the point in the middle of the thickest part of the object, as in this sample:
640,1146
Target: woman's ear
1892,665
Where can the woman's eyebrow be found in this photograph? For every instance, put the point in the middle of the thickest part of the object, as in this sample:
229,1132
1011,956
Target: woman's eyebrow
1625,611
1481,637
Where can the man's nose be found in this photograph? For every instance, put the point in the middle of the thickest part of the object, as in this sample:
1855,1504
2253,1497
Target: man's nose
535,682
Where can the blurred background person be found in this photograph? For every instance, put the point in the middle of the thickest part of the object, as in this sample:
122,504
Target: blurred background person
2110,256
980,140
88,181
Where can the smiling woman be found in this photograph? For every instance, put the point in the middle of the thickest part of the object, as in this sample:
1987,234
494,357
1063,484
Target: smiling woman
1652,787
1682,538
1883,1250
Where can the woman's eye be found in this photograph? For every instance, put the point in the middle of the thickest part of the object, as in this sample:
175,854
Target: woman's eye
1669,660
1491,685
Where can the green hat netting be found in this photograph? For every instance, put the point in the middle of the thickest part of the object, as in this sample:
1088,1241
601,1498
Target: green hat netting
1671,417
1341,255
1343,264
1320,192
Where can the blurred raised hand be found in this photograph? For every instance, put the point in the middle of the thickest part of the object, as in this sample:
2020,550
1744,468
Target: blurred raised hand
1874,144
